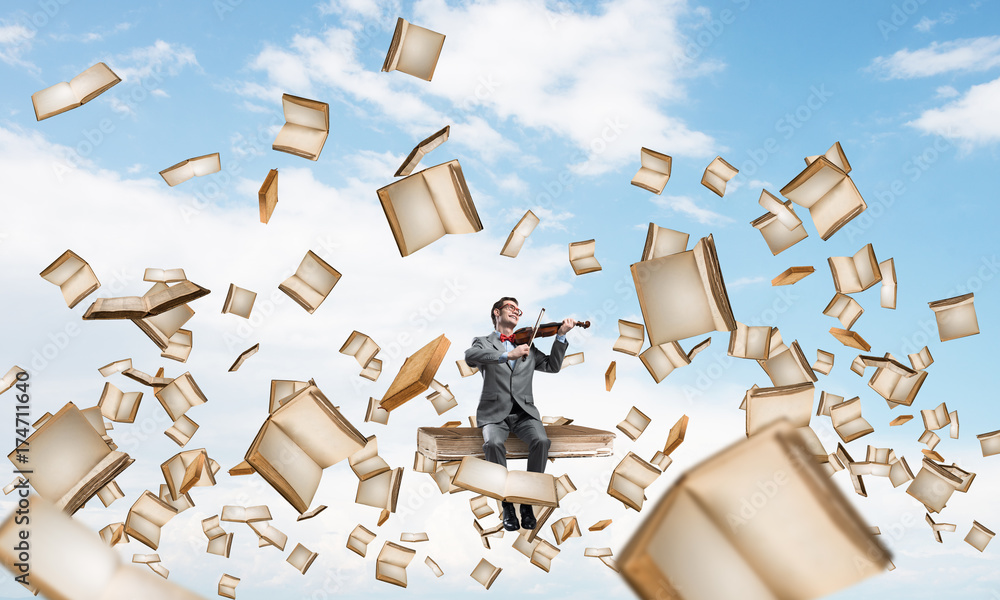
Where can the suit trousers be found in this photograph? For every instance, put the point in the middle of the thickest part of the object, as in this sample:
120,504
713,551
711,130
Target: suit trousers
527,429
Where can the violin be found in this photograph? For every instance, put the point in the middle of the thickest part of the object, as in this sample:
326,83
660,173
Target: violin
525,335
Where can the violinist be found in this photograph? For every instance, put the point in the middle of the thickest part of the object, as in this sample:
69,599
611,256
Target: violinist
506,403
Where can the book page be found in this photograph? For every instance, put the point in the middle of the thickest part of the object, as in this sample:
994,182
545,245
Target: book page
841,201
295,466
315,429
482,476
526,487
304,114
673,299
87,85
445,197
416,220
54,100
305,140
419,51
812,184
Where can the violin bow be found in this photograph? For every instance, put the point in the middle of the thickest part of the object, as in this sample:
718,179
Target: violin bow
533,332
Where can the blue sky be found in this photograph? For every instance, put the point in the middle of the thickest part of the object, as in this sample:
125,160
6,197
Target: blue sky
549,104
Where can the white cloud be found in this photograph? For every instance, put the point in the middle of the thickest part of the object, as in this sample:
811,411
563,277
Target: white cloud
15,41
945,91
744,282
685,205
965,55
150,63
973,118
924,25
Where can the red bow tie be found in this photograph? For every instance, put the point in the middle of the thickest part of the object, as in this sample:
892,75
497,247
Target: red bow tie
507,338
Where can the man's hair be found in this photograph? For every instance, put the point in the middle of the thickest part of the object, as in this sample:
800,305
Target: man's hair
497,305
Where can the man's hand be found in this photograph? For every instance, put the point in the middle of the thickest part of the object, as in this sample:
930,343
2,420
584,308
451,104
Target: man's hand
518,352
567,324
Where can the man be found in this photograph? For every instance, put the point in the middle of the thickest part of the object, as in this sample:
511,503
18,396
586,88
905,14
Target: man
506,403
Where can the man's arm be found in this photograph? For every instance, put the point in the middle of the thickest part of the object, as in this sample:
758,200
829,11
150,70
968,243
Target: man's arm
552,362
480,354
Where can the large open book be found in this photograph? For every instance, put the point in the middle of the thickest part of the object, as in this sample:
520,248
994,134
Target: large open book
68,459
302,437
423,207
75,278
76,92
414,50
192,167
155,302
654,172
683,294
495,481
307,125
704,540
312,282
825,188
71,562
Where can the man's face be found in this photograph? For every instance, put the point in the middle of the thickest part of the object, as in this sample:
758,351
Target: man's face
509,314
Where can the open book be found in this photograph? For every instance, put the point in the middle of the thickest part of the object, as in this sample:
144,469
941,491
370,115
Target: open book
895,382
68,459
751,342
414,50
312,282
188,469
76,92
786,365
146,517
75,278
485,573
825,188
423,207
120,407
71,562
683,294
654,172
390,566
630,337
358,540
634,424
661,241
155,302
239,301
192,167
856,273
717,174
792,403
495,481
180,395
779,236
302,437
519,235
888,291
155,275
581,257
848,422
307,125
956,317
380,491
661,360
421,150
630,479
705,540
844,308
361,347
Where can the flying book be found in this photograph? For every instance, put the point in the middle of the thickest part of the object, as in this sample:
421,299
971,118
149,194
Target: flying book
824,362
433,566
69,460
989,443
936,418
572,360
302,437
956,317
979,536
661,241
423,207
361,347
366,463
146,517
163,327
479,504
267,196
676,435
630,337
778,237
888,290
180,395
895,382
786,365
825,188
245,514
182,430
921,360
792,275
683,294
119,406
268,535
239,301
848,422
792,403
542,555
75,278
630,479
441,398
700,542
934,485
70,562
78,91
634,424
375,413
421,150
519,235
485,573
359,539
188,469
151,304
581,257
312,282
164,275
661,360
610,375
243,357
750,342
301,558
654,172
565,528
414,50
495,481
307,125
390,566
227,586
826,401
852,274
192,167
851,339
416,374
717,174
843,308
373,370
283,389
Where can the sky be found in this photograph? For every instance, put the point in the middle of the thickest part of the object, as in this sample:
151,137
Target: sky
549,104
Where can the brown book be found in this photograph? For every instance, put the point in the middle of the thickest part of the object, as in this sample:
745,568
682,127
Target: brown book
792,403
301,558
630,337
852,274
634,424
120,407
149,305
146,517
75,278
180,395
307,125
654,173
717,174
414,50
421,150
495,481
454,443
302,437
188,469
361,347
243,357
423,207
895,382
164,275
76,92
358,540
519,235
956,317
390,566
581,257
825,188
380,491
792,275
778,237
192,167
416,374
851,339
630,479
485,573
609,376
267,196
706,539
683,295
179,345
844,308
239,301
69,460
312,282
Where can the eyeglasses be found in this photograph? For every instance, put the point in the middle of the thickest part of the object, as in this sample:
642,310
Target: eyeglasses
513,309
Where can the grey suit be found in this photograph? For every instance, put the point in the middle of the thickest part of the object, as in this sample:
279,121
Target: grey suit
507,402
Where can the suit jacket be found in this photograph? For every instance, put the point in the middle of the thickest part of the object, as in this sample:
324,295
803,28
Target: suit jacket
503,386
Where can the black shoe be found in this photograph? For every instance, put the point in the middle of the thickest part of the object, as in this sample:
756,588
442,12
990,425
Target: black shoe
527,517
510,517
